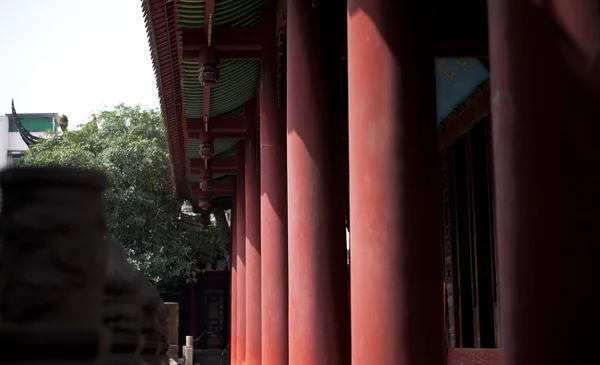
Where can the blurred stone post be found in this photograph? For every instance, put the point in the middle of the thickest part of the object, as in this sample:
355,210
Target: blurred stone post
52,266
188,351
173,351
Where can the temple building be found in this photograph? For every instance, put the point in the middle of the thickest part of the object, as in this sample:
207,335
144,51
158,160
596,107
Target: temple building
456,140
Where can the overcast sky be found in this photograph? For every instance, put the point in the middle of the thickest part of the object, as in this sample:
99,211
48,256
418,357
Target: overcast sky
74,57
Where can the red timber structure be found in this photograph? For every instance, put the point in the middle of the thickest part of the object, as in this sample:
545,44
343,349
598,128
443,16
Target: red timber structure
471,206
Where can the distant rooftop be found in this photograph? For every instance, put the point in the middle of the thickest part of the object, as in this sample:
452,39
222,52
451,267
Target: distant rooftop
34,122
33,115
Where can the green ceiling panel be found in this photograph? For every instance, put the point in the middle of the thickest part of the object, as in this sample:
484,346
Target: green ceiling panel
192,89
238,84
237,111
239,79
193,148
232,13
231,151
191,13
241,13
221,146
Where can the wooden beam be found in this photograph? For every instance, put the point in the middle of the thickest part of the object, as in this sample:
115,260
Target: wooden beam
223,165
457,33
255,55
220,187
209,15
464,356
248,51
218,135
218,165
219,124
454,129
223,38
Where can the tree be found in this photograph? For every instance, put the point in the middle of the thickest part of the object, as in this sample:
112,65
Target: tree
128,144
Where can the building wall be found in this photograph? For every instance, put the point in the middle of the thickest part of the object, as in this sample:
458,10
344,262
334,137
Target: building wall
16,143
3,141
11,142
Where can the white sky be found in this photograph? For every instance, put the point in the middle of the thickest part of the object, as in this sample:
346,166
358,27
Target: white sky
74,57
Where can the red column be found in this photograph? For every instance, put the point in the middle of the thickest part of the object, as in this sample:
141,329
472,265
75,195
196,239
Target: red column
234,287
240,213
319,328
252,180
273,209
396,252
545,111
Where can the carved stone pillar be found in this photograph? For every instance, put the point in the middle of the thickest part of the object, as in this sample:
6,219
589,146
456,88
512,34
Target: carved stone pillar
123,308
173,330
52,266
163,332
188,351
151,306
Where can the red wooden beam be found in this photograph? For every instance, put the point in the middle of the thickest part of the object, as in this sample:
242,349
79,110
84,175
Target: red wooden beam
197,194
461,49
459,126
218,124
206,101
223,38
221,127
220,187
218,164
245,44
462,356
459,31
247,51
209,14
227,54
223,165
218,135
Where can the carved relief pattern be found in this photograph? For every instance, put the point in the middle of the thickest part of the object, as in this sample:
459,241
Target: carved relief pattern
465,64
62,285
447,237
446,70
216,318
52,267
150,324
209,59
53,247
122,305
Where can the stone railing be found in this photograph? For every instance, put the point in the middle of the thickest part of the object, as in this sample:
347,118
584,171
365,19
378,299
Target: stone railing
67,295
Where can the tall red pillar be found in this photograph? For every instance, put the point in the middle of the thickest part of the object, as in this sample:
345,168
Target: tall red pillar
252,181
240,231
319,328
234,287
273,207
396,267
545,90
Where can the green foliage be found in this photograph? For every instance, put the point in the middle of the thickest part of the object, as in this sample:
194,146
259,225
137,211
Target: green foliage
128,144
